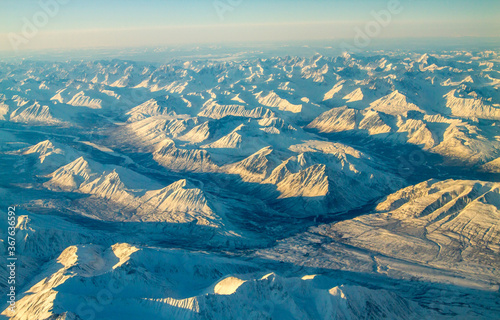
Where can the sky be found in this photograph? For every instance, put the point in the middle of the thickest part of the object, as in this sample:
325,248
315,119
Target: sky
69,24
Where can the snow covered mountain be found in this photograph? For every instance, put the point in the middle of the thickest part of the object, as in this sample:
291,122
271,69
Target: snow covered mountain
48,155
189,285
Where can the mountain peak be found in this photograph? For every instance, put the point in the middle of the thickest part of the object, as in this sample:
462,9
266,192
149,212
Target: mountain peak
43,147
356,95
70,176
394,103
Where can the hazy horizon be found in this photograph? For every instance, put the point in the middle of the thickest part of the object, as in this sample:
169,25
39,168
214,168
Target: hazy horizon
73,24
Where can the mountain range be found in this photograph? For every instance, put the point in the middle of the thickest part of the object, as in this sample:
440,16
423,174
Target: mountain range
340,187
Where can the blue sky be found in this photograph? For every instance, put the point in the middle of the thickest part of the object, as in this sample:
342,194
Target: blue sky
88,23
